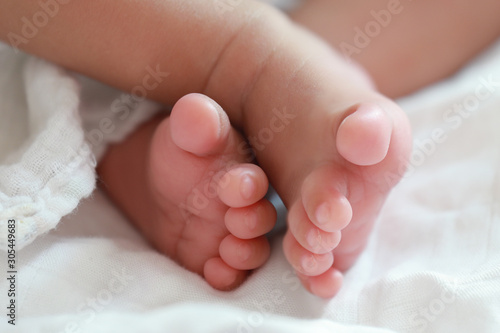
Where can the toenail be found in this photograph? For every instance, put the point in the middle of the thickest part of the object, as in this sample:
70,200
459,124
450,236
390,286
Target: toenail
323,215
247,187
309,263
243,252
250,221
314,239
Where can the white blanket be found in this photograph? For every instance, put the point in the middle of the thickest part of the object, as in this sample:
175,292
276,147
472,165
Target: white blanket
432,264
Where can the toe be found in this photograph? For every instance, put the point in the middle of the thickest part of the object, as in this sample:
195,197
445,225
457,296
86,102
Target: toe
325,285
324,201
244,254
304,261
363,138
199,125
251,221
243,185
307,234
221,276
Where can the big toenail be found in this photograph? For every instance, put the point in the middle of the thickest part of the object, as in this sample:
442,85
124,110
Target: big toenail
243,252
309,263
323,215
247,187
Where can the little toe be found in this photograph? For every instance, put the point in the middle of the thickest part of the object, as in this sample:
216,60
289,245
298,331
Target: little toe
199,125
304,261
345,260
325,285
324,201
244,254
243,185
221,276
307,234
363,137
251,221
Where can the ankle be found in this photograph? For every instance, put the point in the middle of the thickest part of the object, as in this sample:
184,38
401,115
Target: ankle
244,60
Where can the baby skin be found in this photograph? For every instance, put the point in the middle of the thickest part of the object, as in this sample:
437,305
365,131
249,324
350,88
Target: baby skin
329,143
334,157
200,201
204,203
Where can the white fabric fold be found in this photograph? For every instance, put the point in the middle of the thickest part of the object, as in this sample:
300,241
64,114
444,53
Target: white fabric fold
47,153
47,168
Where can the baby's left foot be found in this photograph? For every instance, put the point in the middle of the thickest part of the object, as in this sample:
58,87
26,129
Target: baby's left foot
196,200
332,147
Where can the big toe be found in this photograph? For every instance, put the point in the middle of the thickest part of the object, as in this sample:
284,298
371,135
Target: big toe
199,125
364,136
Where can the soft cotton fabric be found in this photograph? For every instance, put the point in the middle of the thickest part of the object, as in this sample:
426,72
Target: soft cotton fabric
45,165
47,154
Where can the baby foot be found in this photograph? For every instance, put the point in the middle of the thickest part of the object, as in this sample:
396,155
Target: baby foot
341,195
206,205
339,151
